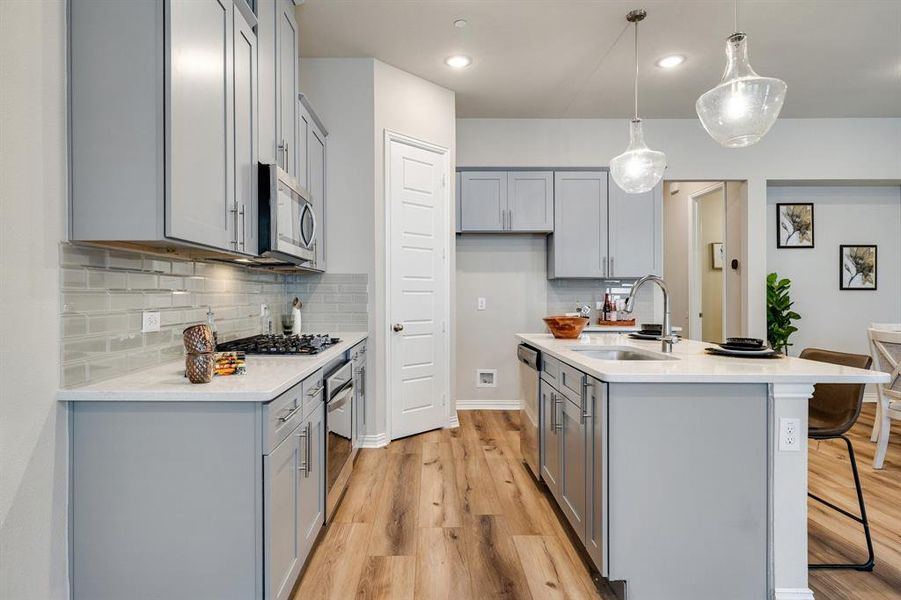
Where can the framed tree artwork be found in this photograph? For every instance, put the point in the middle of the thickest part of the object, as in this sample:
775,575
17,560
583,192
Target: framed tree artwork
794,225
857,267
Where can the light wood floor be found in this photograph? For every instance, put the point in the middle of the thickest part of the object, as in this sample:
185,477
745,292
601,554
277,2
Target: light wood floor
453,514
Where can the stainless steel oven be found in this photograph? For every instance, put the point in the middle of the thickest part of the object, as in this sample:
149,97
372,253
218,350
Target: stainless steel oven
339,446
288,226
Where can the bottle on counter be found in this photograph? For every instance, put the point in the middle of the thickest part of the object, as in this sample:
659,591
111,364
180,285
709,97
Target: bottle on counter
613,315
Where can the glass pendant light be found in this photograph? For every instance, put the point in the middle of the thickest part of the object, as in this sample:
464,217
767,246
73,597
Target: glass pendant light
638,169
743,107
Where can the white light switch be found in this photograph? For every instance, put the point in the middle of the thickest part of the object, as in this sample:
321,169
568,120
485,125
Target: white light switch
150,321
480,305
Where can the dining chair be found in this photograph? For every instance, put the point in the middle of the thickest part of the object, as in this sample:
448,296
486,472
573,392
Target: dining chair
832,411
885,347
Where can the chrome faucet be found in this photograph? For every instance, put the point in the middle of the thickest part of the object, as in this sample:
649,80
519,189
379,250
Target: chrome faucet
667,339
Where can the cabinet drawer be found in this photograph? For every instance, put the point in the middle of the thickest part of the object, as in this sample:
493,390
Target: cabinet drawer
313,387
281,416
572,383
550,369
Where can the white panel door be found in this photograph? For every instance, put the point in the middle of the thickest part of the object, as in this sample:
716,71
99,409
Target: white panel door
418,288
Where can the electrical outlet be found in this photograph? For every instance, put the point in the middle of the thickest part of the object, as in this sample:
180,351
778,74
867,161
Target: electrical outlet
263,308
150,321
789,435
481,303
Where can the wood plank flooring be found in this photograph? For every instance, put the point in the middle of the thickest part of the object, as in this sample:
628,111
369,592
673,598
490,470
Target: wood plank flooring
454,515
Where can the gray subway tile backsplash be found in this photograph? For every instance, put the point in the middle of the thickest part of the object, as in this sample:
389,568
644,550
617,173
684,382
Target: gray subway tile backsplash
104,292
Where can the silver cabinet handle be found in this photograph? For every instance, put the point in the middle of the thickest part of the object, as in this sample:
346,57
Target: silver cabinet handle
553,413
243,228
306,455
315,391
611,266
287,416
307,461
585,387
363,391
284,148
398,327
604,264
510,219
557,424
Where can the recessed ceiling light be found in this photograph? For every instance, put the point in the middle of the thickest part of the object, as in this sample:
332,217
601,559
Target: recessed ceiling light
458,61
673,60
460,23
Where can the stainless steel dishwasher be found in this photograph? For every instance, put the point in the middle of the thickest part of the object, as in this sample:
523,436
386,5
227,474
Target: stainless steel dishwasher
529,415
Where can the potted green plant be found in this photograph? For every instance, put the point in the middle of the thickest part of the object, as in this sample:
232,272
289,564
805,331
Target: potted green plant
779,315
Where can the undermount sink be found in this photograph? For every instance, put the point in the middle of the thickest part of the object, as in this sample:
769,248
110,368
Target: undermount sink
619,353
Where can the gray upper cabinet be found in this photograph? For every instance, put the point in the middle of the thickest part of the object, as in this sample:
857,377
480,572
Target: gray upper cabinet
636,232
530,201
287,40
519,201
168,159
578,246
483,201
311,173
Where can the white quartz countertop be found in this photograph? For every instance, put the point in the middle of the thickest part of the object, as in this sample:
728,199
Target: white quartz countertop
266,378
692,364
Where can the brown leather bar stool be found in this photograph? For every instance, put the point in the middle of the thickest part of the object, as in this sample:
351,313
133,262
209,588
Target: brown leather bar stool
832,411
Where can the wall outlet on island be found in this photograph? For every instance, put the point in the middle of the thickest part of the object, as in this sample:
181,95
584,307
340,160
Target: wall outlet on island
150,321
789,435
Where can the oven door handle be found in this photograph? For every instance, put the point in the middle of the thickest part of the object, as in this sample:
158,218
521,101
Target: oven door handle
341,397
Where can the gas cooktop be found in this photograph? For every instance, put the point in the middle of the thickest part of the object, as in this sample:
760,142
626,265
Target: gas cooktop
280,344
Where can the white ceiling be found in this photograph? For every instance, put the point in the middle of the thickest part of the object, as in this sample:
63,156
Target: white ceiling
561,58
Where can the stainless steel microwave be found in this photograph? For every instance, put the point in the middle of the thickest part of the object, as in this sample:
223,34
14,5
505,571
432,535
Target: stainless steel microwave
287,219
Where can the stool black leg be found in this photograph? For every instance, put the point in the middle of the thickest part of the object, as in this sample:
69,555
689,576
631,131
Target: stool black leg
862,519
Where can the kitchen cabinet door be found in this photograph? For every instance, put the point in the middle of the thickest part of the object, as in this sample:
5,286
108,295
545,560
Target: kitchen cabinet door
287,41
317,164
267,65
483,201
200,161
578,246
304,121
245,136
530,201
572,485
636,232
550,440
311,483
284,552
596,483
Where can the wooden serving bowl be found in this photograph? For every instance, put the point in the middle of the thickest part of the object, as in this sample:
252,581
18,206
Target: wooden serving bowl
566,328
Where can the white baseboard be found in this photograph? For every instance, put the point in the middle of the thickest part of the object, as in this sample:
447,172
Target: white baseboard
488,404
793,594
453,422
378,440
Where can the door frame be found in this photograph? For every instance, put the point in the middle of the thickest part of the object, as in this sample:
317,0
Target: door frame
449,213
695,325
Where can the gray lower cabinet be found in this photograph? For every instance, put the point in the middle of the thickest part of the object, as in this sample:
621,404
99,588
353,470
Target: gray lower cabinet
358,356
312,481
515,201
283,472
596,467
574,445
551,456
578,246
163,122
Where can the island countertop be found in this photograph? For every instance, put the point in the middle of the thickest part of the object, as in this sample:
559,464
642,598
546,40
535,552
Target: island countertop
266,378
691,364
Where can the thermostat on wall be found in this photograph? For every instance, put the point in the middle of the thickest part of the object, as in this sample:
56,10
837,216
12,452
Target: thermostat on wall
486,378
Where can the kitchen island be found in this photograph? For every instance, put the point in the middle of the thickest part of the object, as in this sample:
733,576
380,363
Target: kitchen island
670,467
217,490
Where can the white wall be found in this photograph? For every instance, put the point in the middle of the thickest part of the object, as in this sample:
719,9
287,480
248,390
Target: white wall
806,149
831,318
510,272
33,438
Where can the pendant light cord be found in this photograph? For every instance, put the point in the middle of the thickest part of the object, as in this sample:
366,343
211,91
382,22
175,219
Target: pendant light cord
636,71
735,17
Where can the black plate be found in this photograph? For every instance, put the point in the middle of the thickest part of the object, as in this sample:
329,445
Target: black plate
742,347
642,335
722,352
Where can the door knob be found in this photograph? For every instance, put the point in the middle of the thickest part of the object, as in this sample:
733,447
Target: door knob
398,327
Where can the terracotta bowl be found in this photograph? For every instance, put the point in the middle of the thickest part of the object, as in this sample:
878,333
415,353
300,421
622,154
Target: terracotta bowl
564,327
